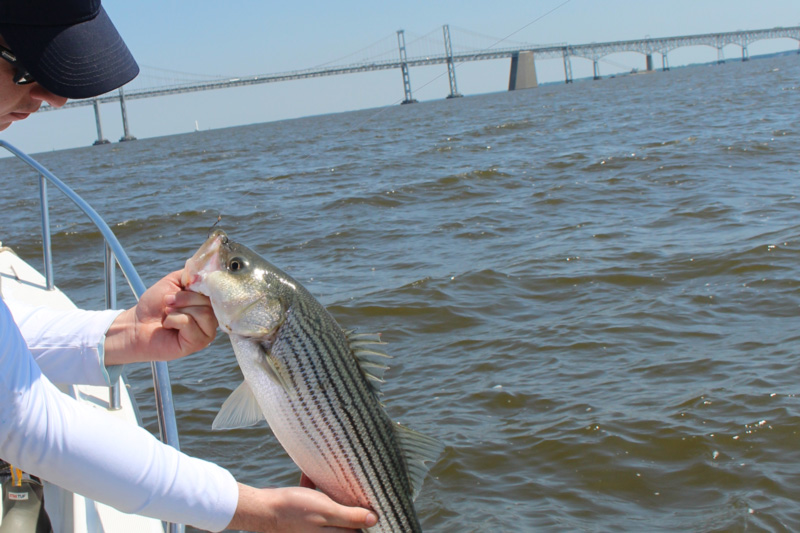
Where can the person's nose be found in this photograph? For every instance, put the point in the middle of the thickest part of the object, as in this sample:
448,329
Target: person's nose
40,93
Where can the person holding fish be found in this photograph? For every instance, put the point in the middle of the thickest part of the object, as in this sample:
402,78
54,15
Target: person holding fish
52,51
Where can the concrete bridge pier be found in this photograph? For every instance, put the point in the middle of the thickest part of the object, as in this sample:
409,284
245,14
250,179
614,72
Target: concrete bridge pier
523,72
649,62
567,67
596,69
745,53
664,62
100,138
126,133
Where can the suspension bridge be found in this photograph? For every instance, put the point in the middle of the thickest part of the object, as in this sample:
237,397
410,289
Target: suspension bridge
435,48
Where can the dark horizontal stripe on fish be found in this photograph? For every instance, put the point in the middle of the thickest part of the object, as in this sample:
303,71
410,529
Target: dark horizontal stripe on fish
365,416
298,346
370,472
334,454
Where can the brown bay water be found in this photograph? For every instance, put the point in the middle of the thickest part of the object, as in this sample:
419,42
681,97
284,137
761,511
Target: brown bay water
591,291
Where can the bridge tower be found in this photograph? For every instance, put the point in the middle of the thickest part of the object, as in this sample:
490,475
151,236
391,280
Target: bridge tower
100,138
401,43
126,133
567,66
451,68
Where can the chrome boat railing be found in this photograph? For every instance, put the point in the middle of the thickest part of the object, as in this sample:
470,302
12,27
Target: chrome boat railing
114,252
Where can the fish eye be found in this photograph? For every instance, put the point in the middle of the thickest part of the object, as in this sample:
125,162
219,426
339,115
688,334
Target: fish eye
236,264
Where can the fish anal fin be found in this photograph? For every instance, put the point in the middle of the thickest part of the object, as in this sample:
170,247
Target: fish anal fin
420,452
240,410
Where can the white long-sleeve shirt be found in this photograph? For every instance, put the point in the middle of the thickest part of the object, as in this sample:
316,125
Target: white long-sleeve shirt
87,451
67,345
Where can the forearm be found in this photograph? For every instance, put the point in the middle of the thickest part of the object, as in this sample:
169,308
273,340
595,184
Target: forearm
68,345
250,512
121,345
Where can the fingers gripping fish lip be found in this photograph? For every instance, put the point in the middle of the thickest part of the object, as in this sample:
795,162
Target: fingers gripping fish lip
206,259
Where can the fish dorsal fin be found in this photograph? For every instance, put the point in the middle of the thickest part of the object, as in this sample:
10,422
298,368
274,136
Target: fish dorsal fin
240,410
419,450
370,357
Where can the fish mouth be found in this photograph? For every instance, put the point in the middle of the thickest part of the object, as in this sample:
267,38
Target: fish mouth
205,260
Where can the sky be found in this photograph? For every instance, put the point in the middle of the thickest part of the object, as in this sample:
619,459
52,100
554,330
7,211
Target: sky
247,37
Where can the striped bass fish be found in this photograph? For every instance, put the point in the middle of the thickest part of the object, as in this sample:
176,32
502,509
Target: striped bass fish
316,385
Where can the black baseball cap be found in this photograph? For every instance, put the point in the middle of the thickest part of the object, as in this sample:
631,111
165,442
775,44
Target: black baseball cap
70,47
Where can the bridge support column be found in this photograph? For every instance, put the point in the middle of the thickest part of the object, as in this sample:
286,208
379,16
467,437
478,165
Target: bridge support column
100,138
401,43
126,132
664,61
567,67
451,68
596,69
649,62
523,72
745,53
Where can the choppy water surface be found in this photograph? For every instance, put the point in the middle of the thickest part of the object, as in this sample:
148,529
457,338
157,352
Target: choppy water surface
591,290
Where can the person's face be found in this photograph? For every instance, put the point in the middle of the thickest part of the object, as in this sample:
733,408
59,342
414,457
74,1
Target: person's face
17,102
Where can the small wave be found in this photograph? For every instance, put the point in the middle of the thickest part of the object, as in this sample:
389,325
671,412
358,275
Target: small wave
749,148
710,212
661,144
567,160
384,200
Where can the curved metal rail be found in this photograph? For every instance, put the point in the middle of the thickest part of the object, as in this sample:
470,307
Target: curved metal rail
167,425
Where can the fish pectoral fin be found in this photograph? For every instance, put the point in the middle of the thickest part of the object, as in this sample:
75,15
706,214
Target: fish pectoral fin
240,410
272,367
419,450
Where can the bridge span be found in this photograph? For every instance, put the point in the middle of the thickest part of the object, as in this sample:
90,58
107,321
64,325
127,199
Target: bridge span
522,59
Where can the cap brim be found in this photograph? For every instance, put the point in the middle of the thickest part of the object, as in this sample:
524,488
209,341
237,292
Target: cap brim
78,61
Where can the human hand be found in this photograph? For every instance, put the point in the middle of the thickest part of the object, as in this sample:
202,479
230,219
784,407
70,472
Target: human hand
295,510
167,323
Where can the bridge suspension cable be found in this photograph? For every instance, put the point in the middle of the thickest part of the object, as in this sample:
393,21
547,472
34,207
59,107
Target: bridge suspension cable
387,46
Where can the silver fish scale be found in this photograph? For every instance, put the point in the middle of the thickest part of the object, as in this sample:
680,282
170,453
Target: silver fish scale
339,417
